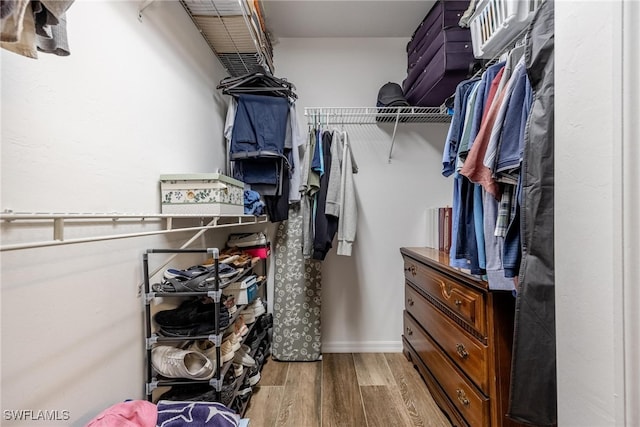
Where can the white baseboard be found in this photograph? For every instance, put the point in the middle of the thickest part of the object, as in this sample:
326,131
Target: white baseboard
362,347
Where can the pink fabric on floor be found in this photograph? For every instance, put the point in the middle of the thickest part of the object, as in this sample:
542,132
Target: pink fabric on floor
134,413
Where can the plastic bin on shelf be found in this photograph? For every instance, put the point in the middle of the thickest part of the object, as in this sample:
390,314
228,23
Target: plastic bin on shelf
495,23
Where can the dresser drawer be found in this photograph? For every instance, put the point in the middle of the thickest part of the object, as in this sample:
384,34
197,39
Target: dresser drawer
470,402
464,301
466,351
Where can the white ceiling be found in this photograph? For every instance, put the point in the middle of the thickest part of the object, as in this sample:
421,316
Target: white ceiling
346,18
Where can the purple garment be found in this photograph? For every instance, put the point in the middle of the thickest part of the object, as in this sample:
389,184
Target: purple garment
195,414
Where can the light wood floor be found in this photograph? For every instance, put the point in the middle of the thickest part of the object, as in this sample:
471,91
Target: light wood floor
344,389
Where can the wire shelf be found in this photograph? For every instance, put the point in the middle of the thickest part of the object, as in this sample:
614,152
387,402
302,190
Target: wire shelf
327,116
234,30
375,115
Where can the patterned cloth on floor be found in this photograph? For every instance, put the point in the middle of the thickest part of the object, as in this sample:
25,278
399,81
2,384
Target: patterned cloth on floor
195,414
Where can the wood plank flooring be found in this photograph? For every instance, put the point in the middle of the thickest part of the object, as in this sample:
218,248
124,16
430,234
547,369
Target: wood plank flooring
344,390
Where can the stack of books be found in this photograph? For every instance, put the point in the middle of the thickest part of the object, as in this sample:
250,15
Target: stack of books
439,228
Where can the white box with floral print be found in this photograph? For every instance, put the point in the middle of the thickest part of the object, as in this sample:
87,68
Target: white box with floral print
201,193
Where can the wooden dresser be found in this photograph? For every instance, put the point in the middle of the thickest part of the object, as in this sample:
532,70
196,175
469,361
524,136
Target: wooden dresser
458,334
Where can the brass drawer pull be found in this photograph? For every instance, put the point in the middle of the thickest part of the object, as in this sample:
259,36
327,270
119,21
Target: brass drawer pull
462,398
462,352
458,303
411,269
410,301
409,331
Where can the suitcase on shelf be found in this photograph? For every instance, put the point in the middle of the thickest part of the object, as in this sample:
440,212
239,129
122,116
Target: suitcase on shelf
458,49
443,14
440,55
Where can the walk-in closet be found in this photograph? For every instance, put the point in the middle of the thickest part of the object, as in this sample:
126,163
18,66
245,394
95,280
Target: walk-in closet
319,213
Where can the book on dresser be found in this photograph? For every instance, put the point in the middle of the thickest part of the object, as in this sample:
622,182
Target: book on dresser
444,228
458,333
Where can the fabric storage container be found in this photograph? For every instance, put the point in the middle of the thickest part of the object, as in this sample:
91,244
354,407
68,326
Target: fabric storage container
495,23
206,193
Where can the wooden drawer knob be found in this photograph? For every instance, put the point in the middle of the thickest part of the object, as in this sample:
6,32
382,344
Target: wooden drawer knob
462,398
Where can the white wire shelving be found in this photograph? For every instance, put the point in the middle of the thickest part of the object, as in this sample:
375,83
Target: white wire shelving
170,224
235,31
338,116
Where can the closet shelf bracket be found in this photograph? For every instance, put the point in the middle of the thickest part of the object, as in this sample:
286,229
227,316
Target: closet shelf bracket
145,4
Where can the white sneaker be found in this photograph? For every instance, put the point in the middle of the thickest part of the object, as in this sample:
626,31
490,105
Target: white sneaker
246,240
238,369
172,362
242,356
253,310
207,348
234,340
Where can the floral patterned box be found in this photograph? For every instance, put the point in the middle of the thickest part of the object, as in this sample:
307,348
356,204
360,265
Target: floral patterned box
202,193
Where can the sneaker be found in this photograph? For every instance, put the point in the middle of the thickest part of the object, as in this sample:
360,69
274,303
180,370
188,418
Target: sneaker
248,317
228,387
246,240
207,348
253,310
172,362
240,327
254,375
238,369
242,357
234,340
257,306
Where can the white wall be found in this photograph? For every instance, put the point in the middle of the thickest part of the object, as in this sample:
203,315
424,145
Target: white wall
589,231
363,295
92,132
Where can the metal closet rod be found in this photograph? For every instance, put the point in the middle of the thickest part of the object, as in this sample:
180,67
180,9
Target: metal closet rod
58,224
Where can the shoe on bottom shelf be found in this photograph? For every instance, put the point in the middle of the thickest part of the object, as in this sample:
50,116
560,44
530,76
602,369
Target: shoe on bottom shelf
254,375
173,362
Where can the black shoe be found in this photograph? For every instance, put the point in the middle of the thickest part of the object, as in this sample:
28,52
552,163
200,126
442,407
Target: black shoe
188,314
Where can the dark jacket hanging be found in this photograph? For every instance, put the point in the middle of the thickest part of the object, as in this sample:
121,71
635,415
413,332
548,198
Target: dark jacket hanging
533,371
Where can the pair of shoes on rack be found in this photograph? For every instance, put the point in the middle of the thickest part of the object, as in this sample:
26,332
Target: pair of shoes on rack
191,321
190,392
240,327
229,301
253,311
243,356
197,278
173,362
207,348
244,240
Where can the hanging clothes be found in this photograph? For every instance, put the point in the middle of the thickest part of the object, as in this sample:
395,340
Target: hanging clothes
533,367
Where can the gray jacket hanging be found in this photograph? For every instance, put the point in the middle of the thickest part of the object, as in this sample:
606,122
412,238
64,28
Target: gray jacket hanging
533,371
